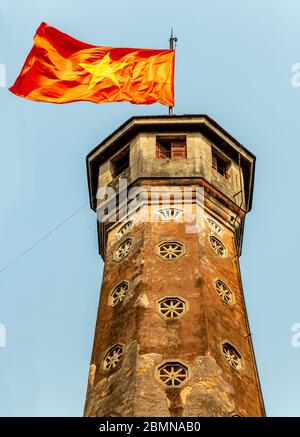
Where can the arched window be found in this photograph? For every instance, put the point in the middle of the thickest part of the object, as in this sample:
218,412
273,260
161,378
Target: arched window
214,226
170,214
125,229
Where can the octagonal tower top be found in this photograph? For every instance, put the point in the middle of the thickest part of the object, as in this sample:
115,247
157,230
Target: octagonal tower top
211,132
176,149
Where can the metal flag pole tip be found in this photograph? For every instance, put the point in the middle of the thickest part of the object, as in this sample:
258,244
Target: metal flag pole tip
172,42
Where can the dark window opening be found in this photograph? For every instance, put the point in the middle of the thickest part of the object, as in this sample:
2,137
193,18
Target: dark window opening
220,165
171,149
121,162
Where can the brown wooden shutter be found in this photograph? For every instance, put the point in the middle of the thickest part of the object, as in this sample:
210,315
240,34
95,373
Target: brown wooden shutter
178,149
163,150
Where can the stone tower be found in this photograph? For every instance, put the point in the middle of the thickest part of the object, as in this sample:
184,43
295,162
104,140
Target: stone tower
172,336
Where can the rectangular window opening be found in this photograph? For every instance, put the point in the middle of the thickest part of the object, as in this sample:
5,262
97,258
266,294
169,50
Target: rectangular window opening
168,148
121,162
220,164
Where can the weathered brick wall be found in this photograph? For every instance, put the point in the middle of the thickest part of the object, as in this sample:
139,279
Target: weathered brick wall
214,388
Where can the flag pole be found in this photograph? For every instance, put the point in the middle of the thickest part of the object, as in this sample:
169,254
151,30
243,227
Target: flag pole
172,42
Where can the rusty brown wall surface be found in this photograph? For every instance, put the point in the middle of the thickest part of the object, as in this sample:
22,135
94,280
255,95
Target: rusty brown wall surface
215,388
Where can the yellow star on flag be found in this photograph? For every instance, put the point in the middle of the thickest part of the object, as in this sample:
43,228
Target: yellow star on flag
105,69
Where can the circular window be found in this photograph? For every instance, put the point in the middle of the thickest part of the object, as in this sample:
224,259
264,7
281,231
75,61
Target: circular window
170,250
123,250
113,357
224,292
171,307
232,356
172,374
118,294
217,245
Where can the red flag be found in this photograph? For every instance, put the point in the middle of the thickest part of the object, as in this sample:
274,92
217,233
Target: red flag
61,69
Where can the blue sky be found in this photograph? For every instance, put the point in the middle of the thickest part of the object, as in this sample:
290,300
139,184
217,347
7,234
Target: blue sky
233,63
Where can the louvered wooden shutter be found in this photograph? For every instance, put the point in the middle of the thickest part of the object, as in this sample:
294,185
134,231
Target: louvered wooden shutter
163,151
178,149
